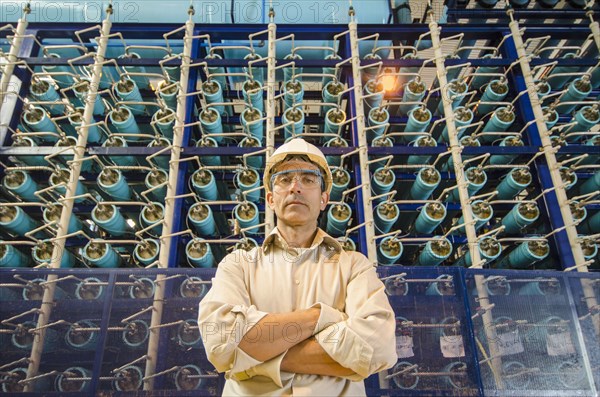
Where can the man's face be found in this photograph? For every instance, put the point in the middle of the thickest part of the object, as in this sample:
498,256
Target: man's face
296,203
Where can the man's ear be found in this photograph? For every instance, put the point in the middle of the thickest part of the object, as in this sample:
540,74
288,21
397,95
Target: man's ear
324,200
269,198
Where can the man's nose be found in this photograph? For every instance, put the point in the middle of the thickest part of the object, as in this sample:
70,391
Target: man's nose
295,185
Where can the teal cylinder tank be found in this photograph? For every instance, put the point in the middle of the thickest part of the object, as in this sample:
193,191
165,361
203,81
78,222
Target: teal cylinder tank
374,92
124,122
22,141
420,142
252,93
389,251
207,142
202,219
247,216
454,92
113,183
118,142
489,249
255,71
189,377
418,121
167,91
43,253
435,252
128,92
21,184
465,141
414,91
141,81
586,118
11,257
330,70
377,120
430,217
252,123
62,176
476,180
332,93
500,121
61,74
295,117
517,180
462,118
444,285
482,213
90,288
383,181
386,215
43,91
291,72
525,255
482,73
577,91
334,122
551,116
78,339
592,184
38,120
428,179
16,221
203,182
164,120
162,160
512,141
52,213
338,217
82,90
337,142
154,179
152,214
521,216
135,335
109,218
73,379
557,82
568,177
542,287
341,181
293,93
199,253
211,124
101,255
146,251
247,180
255,161
495,91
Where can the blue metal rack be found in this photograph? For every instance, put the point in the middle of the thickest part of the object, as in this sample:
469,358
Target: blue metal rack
483,373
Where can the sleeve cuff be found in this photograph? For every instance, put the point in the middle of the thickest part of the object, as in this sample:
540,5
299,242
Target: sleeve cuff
327,317
270,369
347,348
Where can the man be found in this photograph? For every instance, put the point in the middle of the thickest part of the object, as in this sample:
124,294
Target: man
299,315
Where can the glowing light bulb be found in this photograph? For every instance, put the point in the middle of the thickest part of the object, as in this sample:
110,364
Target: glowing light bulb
388,80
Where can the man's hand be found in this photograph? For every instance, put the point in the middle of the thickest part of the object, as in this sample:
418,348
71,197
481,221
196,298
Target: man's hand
308,357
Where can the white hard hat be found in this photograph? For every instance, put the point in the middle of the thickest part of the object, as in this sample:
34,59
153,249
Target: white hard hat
299,147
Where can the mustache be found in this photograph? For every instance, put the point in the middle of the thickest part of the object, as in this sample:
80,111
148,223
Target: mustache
295,200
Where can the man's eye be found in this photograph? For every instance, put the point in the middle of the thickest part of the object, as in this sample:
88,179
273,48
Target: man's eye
285,180
308,180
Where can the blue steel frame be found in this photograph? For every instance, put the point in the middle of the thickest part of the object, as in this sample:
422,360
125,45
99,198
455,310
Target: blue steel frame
219,32
463,298
241,31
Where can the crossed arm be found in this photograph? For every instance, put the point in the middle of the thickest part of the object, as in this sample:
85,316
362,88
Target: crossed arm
304,354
